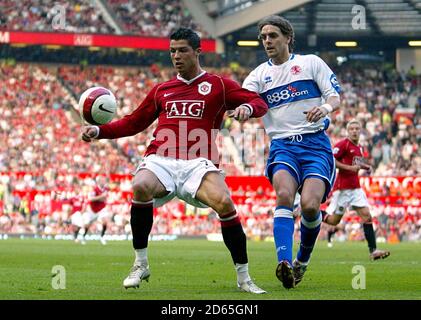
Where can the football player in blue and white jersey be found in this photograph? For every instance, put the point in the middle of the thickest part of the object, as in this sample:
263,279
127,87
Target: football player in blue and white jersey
301,91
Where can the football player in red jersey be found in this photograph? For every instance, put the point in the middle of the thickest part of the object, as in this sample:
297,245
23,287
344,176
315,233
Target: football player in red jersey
97,210
347,190
181,160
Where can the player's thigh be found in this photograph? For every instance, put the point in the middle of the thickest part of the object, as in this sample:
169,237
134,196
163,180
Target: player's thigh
341,201
214,192
77,219
363,212
285,186
146,186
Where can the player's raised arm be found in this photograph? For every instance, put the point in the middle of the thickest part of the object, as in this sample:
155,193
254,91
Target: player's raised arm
131,124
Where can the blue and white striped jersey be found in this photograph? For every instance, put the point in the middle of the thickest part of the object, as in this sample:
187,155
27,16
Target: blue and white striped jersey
290,89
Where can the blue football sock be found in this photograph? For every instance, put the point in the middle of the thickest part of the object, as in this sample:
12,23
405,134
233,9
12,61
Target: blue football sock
310,229
283,232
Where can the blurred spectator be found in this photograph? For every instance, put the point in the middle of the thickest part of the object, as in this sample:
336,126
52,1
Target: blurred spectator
155,18
43,15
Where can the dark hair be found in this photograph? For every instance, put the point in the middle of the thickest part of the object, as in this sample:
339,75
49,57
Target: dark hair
192,37
283,24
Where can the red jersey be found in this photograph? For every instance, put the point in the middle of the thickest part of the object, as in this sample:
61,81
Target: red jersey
189,115
77,204
97,206
348,153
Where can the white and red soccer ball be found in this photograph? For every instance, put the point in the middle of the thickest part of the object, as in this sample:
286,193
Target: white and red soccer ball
97,105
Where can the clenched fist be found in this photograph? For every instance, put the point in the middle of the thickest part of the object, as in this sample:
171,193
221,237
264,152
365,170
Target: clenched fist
241,113
89,133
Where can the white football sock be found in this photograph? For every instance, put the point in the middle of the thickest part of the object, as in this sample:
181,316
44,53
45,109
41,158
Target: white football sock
242,272
141,256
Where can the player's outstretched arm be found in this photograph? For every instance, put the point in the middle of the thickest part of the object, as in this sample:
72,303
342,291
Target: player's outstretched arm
244,103
141,118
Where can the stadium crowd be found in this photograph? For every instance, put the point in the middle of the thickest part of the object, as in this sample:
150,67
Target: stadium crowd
42,150
150,18
153,18
41,15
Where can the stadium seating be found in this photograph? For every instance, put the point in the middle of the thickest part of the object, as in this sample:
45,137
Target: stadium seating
153,18
144,18
29,15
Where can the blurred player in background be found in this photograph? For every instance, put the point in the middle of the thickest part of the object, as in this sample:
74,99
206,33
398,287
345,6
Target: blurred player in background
77,208
347,190
96,211
180,161
300,91
98,205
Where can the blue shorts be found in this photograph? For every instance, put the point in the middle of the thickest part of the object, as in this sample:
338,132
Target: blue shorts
303,156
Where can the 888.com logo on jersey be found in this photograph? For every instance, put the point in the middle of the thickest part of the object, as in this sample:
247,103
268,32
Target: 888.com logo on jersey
299,90
285,94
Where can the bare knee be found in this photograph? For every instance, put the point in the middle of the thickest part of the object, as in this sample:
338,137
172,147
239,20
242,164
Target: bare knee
365,215
310,207
224,205
142,190
285,197
367,219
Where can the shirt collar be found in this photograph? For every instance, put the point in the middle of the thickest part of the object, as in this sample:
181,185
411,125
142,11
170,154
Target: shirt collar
191,80
291,56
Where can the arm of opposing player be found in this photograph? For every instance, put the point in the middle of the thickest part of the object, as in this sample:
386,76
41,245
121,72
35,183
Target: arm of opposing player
131,124
236,96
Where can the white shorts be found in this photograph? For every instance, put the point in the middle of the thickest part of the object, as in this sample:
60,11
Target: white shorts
181,178
343,199
104,214
82,219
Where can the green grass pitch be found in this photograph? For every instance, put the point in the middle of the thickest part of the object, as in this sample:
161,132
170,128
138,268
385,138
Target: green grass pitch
200,270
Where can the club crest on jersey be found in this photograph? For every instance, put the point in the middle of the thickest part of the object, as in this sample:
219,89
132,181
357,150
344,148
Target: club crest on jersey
268,79
204,88
296,70
185,109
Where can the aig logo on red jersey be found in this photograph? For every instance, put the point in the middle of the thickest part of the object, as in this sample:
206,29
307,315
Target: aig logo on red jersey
185,108
204,88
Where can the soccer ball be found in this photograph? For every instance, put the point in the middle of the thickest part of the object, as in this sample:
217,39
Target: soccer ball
97,105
